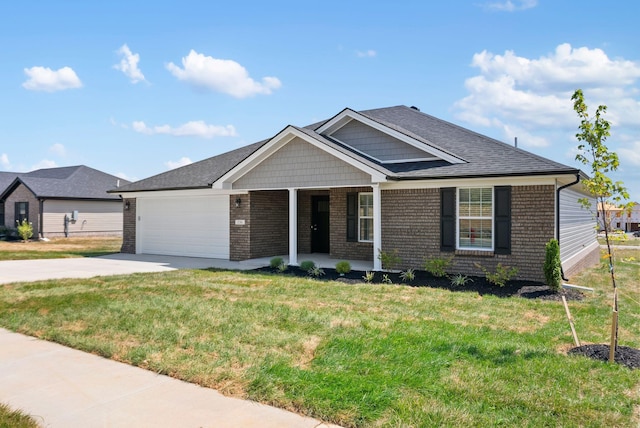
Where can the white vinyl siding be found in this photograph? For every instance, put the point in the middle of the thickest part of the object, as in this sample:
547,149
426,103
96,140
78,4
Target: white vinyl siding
475,218
99,217
577,226
184,226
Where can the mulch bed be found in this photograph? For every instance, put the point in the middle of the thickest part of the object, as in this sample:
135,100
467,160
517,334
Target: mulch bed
477,284
626,356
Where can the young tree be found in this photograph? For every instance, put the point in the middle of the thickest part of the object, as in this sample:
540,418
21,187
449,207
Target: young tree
593,152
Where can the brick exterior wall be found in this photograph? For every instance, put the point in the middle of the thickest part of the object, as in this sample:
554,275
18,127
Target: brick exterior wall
340,248
411,224
239,234
304,218
129,218
22,194
269,223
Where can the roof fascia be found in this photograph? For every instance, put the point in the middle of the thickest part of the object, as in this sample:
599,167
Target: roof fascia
347,115
279,141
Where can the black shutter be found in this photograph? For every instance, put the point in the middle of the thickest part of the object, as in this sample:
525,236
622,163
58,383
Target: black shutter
502,219
16,217
448,219
352,217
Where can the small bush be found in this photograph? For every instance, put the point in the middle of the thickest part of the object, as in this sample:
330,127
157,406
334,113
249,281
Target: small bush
369,276
315,272
25,230
307,265
437,266
343,267
282,267
408,275
552,266
459,280
501,276
389,259
275,262
386,279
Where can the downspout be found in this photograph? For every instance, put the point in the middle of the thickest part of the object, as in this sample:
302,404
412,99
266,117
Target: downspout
558,216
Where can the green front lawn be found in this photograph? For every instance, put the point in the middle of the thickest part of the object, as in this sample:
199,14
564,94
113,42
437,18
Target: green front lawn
355,355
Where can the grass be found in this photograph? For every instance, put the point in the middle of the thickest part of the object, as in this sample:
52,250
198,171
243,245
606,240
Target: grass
59,248
356,355
15,419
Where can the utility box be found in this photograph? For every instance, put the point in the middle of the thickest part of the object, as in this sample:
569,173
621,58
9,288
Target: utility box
74,215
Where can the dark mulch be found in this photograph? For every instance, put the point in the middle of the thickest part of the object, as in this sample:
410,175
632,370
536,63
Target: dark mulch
477,284
626,356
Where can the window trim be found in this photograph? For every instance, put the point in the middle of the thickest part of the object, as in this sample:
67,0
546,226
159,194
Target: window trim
365,217
459,218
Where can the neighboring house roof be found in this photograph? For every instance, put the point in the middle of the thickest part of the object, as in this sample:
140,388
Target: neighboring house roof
459,152
72,182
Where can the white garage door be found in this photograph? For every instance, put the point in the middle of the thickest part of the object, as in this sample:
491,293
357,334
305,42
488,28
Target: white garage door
184,226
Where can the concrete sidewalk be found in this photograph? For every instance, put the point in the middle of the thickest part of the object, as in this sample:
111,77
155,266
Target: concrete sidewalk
63,387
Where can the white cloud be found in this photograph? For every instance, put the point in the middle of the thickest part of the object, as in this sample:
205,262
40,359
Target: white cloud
44,163
196,128
512,6
129,64
532,96
4,161
366,54
58,149
45,79
631,154
221,75
177,164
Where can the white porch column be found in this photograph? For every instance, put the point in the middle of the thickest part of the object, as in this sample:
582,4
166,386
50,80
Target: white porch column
293,227
377,226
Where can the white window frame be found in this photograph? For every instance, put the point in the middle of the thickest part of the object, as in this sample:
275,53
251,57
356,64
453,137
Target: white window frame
459,217
360,218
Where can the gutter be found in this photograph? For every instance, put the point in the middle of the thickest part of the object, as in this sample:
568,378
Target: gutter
558,216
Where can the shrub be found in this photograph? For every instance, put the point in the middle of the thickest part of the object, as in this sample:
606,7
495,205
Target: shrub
552,266
307,265
386,279
459,280
369,276
25,230
408,275
389,259
282,267
501,276
315,272
343,267
275,262
437,266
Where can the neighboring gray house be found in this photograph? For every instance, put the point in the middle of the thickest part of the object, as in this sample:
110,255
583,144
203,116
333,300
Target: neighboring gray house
385,179
67,201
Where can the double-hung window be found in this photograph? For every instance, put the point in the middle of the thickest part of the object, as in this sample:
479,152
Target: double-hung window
365,217
475,218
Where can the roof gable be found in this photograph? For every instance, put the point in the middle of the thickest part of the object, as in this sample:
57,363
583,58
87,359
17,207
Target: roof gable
380,142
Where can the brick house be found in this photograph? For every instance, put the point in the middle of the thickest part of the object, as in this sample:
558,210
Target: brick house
360,182
65,201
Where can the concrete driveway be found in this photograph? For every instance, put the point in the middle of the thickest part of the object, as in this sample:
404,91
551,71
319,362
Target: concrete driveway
114,264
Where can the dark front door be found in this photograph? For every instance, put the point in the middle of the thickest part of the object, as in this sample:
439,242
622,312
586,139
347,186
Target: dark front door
320,224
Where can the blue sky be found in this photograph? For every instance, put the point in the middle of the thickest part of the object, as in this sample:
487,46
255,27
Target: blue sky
137,88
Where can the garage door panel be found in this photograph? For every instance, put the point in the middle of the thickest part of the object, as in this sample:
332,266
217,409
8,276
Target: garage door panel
190,226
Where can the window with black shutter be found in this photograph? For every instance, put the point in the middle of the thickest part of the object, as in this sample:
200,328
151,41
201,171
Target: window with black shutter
502,219
22,211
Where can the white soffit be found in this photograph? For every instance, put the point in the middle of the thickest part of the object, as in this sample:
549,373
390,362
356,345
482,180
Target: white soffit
347,115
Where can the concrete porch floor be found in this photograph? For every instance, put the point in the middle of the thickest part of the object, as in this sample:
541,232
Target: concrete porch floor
320,259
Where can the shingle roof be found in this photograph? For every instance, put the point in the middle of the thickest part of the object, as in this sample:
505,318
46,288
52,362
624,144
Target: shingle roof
193,176
73,182
483,156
